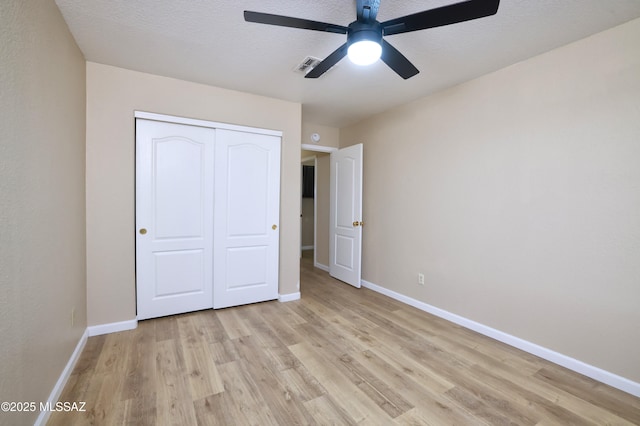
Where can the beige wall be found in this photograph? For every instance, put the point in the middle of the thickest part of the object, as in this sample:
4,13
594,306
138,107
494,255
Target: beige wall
112,96
517,195
42,217
307,208
322,209
329,136
307,222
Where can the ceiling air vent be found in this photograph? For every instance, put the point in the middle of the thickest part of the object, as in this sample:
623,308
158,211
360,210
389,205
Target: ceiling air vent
307,65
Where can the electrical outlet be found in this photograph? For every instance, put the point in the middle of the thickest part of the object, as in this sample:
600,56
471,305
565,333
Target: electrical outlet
421,279
73,316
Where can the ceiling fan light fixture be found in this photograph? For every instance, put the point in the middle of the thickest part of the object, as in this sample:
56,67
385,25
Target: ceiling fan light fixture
364,52
365,42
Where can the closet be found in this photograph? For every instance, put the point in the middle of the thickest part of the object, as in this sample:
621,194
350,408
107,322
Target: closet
207,214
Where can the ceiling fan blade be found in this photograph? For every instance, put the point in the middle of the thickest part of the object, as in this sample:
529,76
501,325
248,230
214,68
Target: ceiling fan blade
367,10
286,21
328,62
397,61
445,15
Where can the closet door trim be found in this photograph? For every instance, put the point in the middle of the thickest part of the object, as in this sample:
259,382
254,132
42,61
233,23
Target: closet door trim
204,123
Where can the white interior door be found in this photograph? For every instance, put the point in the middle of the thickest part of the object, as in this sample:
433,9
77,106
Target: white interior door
247,208
345,221
174,211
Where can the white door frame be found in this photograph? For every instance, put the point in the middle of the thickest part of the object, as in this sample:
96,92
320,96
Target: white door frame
204,123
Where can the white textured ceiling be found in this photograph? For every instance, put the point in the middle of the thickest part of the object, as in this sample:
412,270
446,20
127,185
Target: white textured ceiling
207,41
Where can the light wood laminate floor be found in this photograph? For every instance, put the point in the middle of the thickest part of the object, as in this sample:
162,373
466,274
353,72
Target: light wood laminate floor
340,356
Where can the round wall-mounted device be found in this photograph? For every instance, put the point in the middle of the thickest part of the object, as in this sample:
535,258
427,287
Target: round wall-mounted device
315,137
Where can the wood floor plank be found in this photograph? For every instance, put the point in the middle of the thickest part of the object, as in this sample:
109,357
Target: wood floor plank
557,400
412,369
189,331
204,379
471,346
339,355
174,401
325,411
285,405
282,322
166,328
547,410
113,356
211,325
424,351
301,383
589,390
424,416
243,397
276,353
141,410
223,352
90,355
428,399
104,408
140,383
478,407
85,388
356,331
140,373
218,410
233,322
345,393
384,396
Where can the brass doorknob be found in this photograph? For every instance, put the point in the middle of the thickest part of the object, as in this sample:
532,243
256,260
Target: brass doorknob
356,223
143,231
274,227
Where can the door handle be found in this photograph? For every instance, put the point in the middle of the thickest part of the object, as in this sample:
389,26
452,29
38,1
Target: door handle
274,227
143,231
356,223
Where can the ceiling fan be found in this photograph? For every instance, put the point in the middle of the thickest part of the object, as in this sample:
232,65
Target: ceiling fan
365,36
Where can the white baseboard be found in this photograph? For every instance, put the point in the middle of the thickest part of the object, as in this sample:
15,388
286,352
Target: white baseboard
289,297
62,380
304,248
588,370
114,327
321,266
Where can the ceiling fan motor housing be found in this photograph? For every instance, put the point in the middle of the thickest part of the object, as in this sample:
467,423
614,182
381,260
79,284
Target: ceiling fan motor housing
369,31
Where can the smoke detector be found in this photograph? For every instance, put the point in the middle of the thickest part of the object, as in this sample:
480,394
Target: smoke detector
307,65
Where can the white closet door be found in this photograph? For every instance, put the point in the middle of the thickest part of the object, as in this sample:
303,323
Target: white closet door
174,211
247,194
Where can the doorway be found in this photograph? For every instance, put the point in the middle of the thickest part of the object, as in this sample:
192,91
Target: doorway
308,208
337,217
318,156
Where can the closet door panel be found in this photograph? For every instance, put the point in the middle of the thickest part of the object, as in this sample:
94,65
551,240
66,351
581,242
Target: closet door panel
174,218
248,190
246,225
